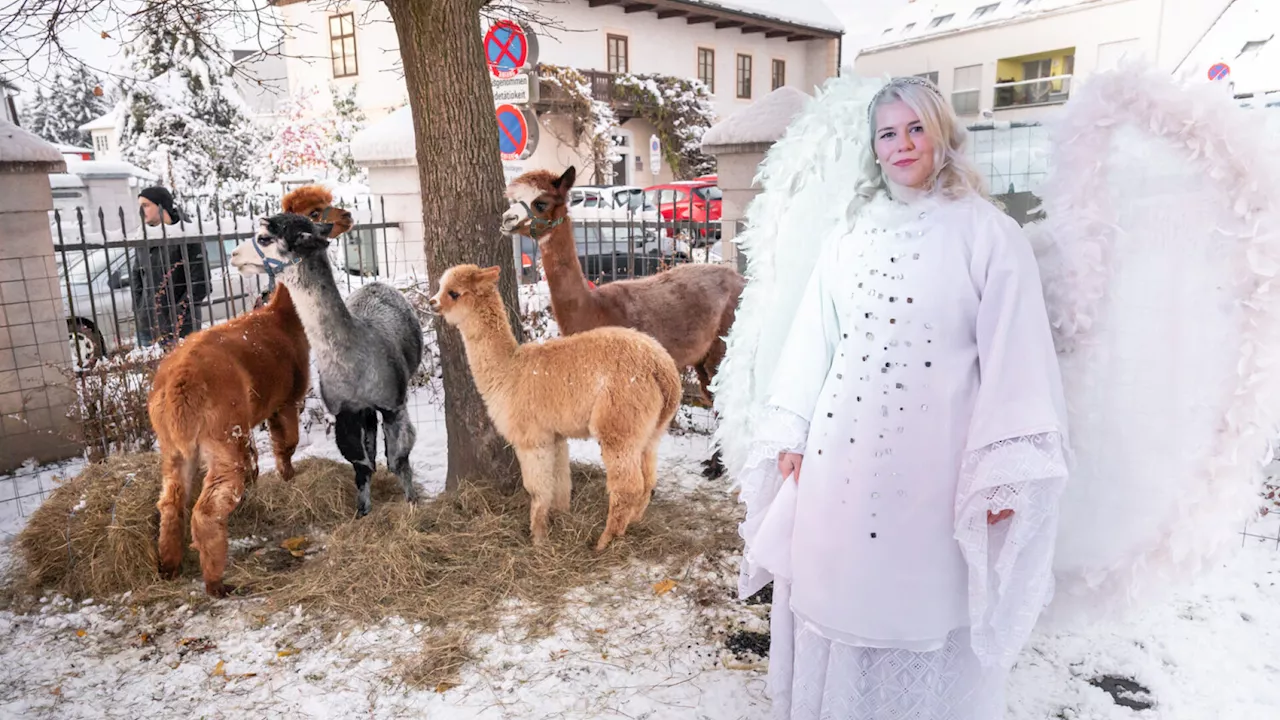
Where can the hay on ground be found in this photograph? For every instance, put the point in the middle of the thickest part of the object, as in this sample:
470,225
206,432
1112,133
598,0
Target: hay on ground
454,562
95,535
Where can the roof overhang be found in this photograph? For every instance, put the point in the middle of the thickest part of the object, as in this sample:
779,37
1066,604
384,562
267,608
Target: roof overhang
696,13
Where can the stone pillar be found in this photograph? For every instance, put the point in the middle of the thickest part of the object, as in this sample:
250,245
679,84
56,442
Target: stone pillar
35,356
739,144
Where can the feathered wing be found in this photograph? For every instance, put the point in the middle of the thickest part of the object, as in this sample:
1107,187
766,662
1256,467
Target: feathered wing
808,179
818,159
1159,251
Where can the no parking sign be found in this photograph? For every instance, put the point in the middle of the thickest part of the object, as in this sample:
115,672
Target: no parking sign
509,47
517,132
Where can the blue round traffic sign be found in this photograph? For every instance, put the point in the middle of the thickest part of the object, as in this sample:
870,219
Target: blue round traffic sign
513,132
506,47
1219,71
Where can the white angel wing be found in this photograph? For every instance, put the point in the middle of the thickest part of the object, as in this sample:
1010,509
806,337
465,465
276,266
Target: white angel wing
787,223
1160,247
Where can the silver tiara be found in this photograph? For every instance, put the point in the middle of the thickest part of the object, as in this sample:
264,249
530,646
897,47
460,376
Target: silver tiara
899,82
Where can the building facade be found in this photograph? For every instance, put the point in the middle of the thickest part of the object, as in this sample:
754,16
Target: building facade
741,49
1018,59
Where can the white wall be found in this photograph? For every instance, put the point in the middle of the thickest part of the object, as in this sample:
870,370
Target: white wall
668,47
1158,30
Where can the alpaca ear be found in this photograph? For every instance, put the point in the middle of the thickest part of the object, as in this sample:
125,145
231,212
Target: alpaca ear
490,274
565,181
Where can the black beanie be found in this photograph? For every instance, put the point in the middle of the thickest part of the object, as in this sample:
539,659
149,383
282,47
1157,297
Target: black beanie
161,197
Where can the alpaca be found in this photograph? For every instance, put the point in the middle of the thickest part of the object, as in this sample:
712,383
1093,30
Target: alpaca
206,397
316,202
615,384
367,349
689,308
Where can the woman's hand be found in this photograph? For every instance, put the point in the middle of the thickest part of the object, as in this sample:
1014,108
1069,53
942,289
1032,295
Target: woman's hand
789,464
993,518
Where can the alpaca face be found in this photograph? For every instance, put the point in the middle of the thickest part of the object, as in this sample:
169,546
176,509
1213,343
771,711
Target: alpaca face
282,241
315,202
459,287
537,199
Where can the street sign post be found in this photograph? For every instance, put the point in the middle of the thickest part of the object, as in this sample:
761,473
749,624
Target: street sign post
517,132
1219,71
510,47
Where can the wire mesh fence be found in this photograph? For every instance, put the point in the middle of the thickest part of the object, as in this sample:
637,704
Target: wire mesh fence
129,292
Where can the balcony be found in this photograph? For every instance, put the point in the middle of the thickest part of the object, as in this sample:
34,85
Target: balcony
1052,90
552,97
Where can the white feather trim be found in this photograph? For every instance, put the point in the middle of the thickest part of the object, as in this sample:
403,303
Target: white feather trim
818,159
1154,495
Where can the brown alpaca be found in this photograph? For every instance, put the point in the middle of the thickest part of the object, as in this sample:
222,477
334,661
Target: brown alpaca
614,384
315,202
689,308
207,396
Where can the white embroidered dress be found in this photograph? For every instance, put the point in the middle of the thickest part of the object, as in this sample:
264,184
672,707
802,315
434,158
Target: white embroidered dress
920,383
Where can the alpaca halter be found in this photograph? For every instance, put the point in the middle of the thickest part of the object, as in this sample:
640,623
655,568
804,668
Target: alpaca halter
272,266
537,225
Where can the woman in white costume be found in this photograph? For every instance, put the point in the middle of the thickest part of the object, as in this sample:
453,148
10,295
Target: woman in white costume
917,413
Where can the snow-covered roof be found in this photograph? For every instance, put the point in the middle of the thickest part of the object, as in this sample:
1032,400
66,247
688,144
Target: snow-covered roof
809,13
763,122
388,141
106,122
1244,37
107,169
20,147
922,20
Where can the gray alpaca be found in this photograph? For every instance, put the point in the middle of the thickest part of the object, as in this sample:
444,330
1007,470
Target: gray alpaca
366,350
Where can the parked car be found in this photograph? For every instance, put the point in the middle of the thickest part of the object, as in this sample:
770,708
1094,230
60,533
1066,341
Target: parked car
97,297
691,206
618,202
609,251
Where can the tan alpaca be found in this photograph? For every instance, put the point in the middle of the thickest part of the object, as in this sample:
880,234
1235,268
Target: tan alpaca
614,384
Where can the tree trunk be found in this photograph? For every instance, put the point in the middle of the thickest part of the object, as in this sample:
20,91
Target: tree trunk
460,174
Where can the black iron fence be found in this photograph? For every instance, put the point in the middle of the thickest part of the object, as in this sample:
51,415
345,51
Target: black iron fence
123,290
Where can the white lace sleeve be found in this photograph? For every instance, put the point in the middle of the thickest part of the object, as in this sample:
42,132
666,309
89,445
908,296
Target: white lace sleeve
759,481
1010,563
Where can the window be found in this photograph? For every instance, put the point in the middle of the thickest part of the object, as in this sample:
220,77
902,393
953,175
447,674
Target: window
744,77
1020,3
101,143
779,73
984,11
909,27
342,44
931,76
707,68
941,20
966,89
617,54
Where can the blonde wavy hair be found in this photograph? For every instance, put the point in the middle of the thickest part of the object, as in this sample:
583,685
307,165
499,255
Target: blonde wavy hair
954,174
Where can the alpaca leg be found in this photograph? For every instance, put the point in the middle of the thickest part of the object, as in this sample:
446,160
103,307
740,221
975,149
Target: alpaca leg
563,477
179,471
284,439
625,480
399,433
223,488
649,471
349,431
537,470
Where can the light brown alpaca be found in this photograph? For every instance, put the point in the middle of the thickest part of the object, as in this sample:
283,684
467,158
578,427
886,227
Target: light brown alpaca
614,384
689,308
207,396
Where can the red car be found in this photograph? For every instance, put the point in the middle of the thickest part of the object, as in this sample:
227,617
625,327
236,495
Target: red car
695,202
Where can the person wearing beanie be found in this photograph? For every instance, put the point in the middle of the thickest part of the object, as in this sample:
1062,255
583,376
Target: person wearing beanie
174,278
